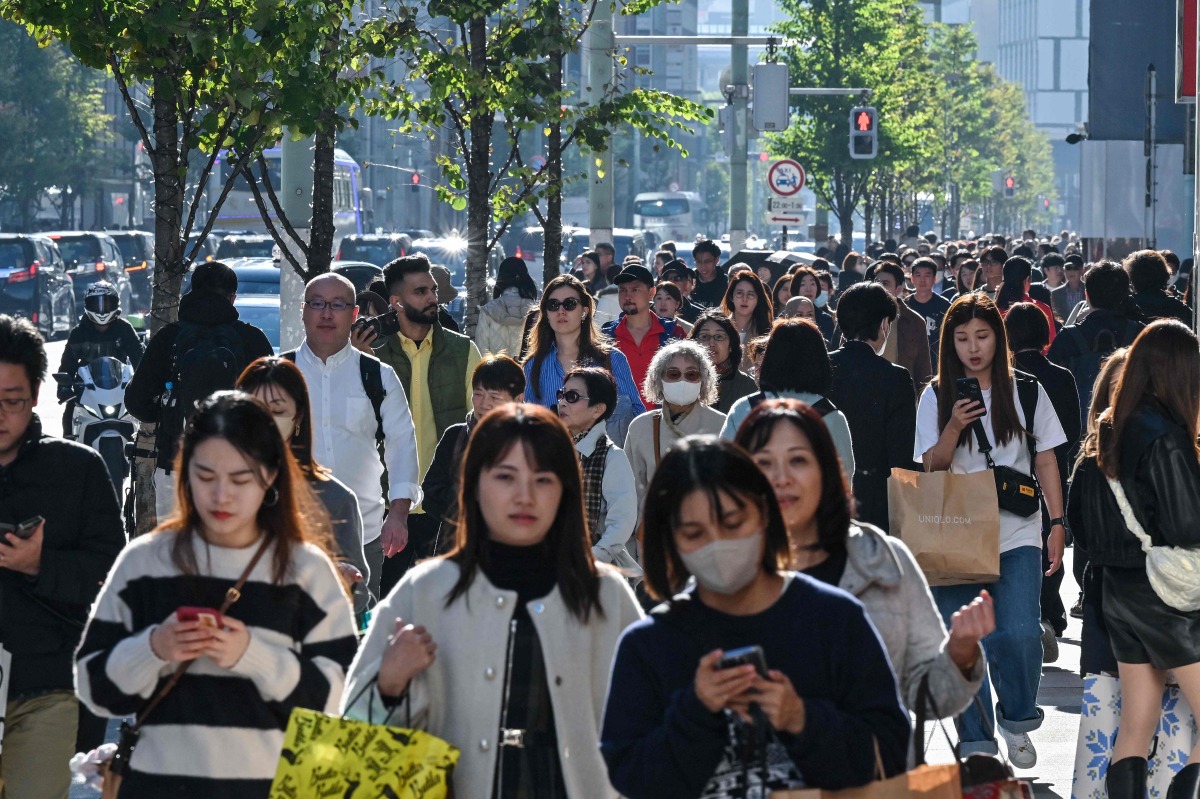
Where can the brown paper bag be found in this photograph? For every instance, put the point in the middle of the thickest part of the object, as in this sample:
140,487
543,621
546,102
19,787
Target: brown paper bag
951,522
923,782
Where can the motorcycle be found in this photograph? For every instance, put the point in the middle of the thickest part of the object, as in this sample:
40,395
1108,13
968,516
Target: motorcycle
100,419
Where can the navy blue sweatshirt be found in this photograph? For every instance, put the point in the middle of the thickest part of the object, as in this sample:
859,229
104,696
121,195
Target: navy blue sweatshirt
659,740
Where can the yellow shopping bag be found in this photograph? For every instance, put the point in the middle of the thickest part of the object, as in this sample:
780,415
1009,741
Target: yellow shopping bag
325,756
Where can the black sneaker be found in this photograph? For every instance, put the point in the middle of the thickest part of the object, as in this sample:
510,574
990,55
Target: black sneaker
1077,608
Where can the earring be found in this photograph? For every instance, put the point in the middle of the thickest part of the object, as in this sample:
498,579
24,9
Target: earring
272,497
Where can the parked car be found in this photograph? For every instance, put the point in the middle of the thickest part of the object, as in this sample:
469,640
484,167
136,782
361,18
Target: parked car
262,311
91,257
137,250
257,276
377,249
241,246
360,273
34,283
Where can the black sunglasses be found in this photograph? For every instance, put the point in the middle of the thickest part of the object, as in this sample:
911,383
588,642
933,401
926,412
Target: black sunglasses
570,303
570,395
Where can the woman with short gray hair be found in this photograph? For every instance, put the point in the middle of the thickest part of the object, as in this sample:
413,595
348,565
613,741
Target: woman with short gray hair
682,379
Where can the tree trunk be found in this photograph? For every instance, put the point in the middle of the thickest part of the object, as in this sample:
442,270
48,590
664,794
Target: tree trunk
169,267
321,232
552,232
479,174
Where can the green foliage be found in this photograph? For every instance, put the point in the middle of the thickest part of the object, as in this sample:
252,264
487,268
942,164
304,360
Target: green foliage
52,122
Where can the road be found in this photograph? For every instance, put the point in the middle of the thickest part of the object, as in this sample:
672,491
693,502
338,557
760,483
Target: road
1059,696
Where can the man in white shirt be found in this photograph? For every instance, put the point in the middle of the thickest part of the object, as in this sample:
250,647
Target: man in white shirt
344,424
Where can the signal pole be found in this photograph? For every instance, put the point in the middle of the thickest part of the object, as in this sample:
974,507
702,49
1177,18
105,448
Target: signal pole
738,173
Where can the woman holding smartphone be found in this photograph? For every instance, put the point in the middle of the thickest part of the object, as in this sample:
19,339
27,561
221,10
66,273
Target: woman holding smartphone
978,390
677,723
242,511
503,646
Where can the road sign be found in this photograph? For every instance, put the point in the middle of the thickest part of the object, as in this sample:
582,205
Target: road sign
538,161
775,220
673,185
785,205
785,178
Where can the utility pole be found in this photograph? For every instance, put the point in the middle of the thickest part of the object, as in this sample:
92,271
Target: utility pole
599,45
740,74
295,196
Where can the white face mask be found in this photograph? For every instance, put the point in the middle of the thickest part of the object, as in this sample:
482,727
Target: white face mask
681,392
286,426
821,299
726,566
887,331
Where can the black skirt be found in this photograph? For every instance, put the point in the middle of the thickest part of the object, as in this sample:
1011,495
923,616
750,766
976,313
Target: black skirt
1143,628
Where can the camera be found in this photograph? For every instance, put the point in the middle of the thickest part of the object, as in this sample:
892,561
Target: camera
384,325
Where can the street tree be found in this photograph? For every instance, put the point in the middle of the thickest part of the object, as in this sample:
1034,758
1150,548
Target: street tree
490,73
52,123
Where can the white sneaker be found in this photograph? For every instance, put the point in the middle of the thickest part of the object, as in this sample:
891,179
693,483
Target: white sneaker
1020,749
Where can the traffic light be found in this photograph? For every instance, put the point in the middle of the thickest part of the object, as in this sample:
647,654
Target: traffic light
1010,186
864,132
416,181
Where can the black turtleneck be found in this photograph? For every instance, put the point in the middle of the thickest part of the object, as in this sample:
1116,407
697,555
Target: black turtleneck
527,570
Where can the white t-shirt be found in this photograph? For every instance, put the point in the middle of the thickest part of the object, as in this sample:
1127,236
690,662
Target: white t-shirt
1015,531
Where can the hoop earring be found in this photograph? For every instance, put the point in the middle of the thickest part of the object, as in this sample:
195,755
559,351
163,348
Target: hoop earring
272,497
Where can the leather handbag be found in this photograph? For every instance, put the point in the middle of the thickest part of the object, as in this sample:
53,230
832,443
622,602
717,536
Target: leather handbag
1174,572
113,771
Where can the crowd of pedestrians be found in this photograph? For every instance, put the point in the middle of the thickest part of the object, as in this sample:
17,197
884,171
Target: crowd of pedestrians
631,538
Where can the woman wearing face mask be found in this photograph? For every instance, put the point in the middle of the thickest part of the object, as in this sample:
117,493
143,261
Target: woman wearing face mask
503,646
826,298
716,333
679,725
682,379
805,283
974,345
279,385
749,308
796,366
791,445
242,511
585,403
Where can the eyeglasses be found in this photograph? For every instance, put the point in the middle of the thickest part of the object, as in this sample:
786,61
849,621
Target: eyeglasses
570,395
570,304
333,305
719,338
673,375
14,404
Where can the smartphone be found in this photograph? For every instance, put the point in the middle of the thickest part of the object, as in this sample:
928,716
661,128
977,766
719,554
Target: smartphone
746,656
968,388
206,616
27,528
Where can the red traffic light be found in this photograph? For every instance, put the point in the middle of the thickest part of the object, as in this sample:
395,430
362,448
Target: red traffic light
864,121
1010,182
416,178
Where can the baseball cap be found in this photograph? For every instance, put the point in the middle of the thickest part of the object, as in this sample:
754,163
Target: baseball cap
679,269
635,272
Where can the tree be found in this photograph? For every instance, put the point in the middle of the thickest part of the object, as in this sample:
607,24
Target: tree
871,44
488,64
52,121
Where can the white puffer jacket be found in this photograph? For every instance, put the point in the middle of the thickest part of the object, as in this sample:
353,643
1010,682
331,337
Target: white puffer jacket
501,323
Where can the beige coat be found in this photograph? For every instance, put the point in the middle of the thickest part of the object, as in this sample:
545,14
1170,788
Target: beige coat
639,440
459,697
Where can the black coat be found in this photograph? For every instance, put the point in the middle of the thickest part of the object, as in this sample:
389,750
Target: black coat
877,399
1060,387
86,344
42,618
1161,476
440,486
150,379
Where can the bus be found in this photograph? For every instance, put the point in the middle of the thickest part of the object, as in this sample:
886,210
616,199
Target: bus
351,201
670,215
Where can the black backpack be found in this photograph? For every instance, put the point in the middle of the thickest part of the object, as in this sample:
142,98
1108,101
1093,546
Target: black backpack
204,359
1086,365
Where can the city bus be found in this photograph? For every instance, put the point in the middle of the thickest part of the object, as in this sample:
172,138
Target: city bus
670,215
351,203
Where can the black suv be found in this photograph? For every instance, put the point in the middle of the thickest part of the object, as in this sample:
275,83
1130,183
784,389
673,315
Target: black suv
91,257
34,283
137,250
378,249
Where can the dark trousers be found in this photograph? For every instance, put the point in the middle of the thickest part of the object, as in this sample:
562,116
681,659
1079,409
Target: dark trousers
422,532
1053,610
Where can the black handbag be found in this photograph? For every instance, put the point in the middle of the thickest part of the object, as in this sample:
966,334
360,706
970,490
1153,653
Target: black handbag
1017,492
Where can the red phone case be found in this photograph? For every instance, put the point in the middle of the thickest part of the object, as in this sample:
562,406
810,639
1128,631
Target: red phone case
206,616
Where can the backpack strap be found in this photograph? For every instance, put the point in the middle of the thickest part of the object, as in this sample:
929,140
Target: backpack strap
1027,396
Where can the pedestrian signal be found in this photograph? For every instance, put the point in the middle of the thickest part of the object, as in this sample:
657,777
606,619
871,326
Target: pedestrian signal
864,132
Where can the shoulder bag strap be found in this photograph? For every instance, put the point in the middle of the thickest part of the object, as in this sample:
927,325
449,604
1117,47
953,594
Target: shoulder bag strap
1131,521
657,438
231,596
1027,389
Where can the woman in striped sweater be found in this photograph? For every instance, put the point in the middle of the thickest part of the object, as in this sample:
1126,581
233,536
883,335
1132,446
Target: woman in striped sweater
285,643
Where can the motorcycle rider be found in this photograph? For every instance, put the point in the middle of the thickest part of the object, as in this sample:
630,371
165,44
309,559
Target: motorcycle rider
100,333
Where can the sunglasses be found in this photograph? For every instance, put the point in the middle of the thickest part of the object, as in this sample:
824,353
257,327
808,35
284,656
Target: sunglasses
570,395
673,375
570,304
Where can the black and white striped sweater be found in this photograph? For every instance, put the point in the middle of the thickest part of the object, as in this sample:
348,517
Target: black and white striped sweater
220,731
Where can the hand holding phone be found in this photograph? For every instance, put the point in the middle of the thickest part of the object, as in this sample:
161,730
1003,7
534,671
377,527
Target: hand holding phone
206,616
717,687
746,656
968,388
